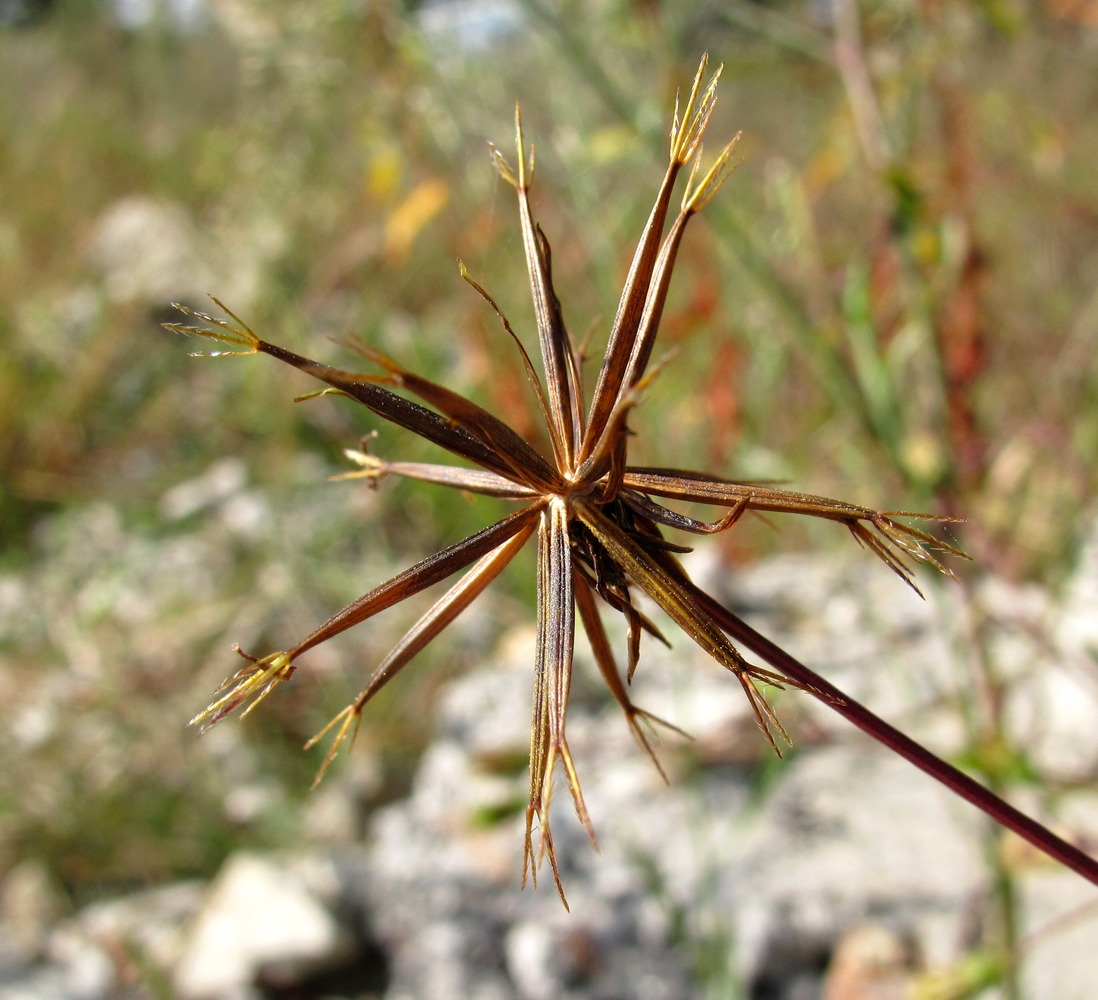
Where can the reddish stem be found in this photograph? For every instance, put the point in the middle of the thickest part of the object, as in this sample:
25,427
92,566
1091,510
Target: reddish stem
956,781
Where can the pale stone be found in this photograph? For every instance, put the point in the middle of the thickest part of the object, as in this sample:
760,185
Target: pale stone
260,915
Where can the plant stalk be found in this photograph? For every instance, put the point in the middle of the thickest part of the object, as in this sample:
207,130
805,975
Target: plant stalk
955,780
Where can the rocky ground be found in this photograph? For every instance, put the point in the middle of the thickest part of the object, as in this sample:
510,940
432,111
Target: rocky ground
838,873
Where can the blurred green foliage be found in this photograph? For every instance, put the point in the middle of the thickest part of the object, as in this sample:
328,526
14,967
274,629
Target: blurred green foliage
892,302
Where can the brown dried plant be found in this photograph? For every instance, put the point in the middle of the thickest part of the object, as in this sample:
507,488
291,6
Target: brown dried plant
599,522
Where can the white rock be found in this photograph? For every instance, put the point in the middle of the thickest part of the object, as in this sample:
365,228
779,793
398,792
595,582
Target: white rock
261,916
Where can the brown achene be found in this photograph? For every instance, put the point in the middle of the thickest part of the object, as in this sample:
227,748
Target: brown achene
599,522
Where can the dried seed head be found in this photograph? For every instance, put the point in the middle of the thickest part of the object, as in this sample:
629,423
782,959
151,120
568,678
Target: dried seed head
598,521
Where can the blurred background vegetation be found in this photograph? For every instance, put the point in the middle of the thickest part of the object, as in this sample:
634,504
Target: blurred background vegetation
892,302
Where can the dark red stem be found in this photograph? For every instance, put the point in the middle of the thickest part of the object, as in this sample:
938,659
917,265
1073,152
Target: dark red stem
956,781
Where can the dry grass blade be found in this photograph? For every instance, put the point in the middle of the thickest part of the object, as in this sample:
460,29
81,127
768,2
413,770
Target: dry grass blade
894,540
523,461
424,574
557,350
659,280
429,626
604,659
362,388
672,519
685,136
528,365
469,480
627,318
648,572
553,679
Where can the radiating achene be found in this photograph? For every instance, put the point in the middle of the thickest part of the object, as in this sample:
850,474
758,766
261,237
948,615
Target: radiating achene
598,526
